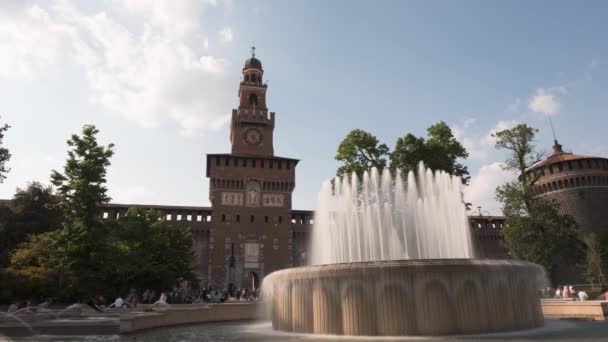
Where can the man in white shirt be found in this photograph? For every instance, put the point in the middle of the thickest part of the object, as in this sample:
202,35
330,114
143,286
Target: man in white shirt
582,295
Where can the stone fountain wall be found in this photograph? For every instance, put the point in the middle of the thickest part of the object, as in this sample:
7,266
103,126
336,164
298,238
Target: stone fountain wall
408,297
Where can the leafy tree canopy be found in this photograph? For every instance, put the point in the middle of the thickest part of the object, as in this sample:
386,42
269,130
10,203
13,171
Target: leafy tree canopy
360,151
440,151
5,155
535,229
32,211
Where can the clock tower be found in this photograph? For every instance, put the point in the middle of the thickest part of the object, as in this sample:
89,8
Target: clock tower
252,126
250,191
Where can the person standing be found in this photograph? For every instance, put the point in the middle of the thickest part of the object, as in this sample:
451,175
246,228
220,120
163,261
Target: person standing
565,292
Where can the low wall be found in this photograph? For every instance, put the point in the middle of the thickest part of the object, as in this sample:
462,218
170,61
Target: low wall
590,309
189,315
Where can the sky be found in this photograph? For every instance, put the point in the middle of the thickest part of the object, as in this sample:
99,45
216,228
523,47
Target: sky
160,78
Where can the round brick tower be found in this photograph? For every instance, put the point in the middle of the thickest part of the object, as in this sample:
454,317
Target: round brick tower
579,184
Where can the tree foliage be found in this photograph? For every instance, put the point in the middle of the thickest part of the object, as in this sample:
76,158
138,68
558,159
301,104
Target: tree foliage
440,151
535,230
360,151
31,211
149,253
597,257
5,155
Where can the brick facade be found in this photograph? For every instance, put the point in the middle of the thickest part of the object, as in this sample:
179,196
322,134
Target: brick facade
577,184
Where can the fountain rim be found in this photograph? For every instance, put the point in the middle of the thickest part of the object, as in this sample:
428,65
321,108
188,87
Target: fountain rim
401,263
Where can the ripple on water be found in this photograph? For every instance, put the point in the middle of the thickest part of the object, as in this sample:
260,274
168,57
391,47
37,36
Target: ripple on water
262,331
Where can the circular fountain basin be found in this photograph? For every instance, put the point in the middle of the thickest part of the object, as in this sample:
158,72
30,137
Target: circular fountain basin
407,297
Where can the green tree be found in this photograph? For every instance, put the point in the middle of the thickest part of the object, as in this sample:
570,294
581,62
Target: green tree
359,152
5,155
535,229
81,190
440,151
31,211
597,257
149,253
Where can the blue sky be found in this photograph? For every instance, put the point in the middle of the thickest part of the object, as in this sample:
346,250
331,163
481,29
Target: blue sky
160,78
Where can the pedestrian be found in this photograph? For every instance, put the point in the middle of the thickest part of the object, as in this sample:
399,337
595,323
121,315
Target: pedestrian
582,295
566,292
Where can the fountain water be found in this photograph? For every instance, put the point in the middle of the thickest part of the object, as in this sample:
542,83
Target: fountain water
384,218
395,258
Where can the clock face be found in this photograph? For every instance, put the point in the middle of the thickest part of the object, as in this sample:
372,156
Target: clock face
253,136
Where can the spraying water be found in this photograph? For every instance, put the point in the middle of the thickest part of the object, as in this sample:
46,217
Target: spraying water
381,217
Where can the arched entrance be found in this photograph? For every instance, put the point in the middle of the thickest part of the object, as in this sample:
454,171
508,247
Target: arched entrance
253,280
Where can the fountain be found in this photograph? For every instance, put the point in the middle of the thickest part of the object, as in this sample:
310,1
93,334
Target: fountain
395,258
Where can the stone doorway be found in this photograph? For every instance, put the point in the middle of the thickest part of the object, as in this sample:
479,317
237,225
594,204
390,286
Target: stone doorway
253,281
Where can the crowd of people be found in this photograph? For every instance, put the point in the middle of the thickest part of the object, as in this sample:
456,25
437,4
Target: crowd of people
175,296
570,292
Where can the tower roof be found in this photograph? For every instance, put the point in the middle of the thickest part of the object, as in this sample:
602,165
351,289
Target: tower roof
559,155
253,63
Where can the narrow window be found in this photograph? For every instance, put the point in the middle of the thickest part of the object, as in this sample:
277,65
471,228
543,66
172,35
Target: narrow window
199,218
244,162
265,219
252,218
217,161
253,163
238,218
226,161
262,163
223,218
280,219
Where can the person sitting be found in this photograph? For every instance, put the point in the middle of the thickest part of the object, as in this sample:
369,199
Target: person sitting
582,295
558,293
573,292
119,302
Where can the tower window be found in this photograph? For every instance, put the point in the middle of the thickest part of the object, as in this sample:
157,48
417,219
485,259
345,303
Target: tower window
252,218
262,163
226,161
265,219
280,219
217,161
238,218
244,162
223,218
253,163
253,99
280,164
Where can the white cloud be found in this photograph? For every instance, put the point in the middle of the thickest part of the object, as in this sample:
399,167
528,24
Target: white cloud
142,59
479,147
502,125
546,101
481,190
226,35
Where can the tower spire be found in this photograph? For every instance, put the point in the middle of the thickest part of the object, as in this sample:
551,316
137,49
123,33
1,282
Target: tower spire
557,148
253,51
